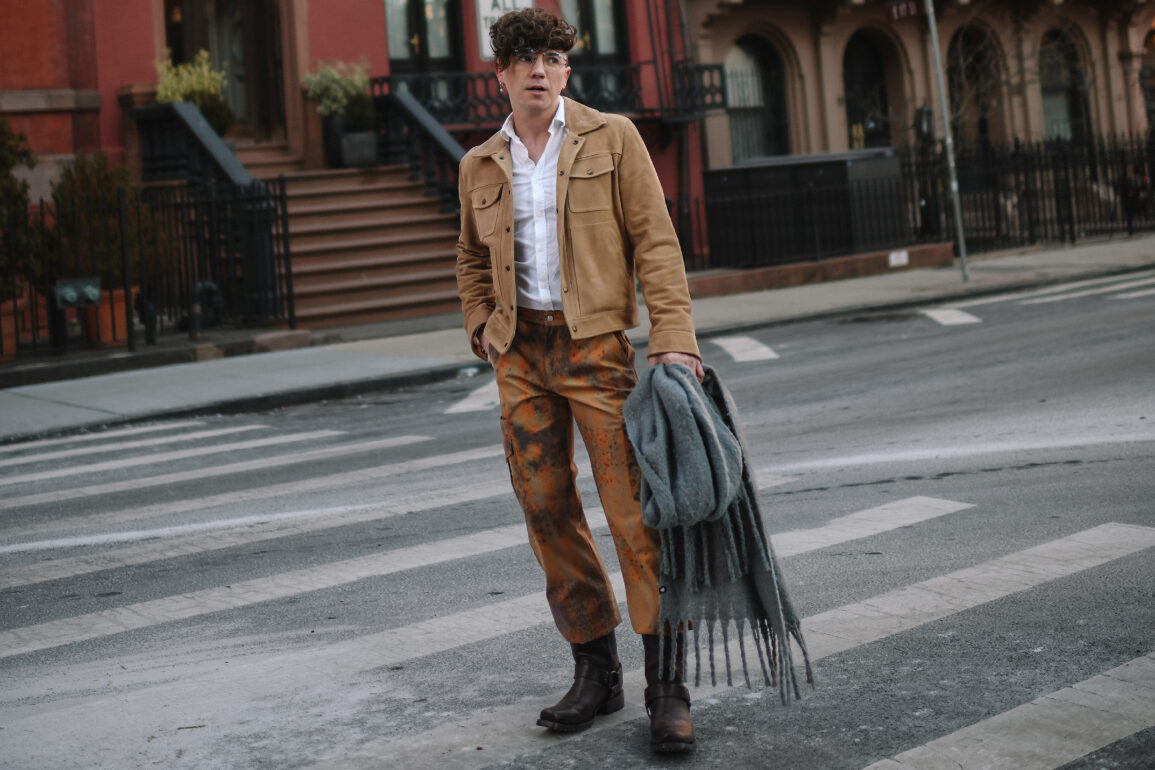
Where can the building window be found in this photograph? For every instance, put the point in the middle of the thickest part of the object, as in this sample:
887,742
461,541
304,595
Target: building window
756,100
973,71
1065,108
864,80
602,76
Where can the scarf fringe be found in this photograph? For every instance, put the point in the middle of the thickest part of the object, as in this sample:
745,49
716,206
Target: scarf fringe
775,656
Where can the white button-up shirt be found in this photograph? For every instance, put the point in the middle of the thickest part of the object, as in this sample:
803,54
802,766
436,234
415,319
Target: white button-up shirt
535,252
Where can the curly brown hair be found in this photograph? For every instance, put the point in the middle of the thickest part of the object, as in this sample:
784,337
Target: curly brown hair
529,28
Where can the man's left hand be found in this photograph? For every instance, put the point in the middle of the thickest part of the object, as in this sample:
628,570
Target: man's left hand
684,359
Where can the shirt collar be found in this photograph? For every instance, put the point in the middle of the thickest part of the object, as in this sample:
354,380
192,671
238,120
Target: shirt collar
558,121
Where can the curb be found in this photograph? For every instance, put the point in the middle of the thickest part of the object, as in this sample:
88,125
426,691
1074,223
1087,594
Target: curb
434,374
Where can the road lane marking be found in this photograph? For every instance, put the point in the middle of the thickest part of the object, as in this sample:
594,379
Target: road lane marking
1063,725
925,454
949,316
1051,289
118,446
185,540
222,695
284,585
46,442
198,474
1136,294
504,732
162,457
1089,292
480,400
744,349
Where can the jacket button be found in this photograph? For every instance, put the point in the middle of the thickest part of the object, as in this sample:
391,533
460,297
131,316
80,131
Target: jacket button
565,289
575,141
483,201
561,173
507,229
574,328
588,171
507,267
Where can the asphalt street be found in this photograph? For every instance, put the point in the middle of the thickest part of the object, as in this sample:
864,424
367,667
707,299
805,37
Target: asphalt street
961,497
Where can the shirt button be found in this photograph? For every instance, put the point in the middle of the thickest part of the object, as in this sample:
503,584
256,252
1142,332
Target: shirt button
588,171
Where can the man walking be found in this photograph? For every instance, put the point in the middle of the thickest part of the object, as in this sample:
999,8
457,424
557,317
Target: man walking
561,214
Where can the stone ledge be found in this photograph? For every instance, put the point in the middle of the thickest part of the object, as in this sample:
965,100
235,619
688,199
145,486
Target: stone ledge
723,282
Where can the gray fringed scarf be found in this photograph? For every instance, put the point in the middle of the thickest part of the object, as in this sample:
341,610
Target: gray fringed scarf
698,491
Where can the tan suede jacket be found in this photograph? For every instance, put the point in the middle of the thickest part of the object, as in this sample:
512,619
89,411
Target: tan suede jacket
613,227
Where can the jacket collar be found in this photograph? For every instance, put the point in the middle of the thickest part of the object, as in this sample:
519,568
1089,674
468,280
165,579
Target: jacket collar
579,119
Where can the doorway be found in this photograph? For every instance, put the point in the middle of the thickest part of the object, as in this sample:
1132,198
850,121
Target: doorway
244,39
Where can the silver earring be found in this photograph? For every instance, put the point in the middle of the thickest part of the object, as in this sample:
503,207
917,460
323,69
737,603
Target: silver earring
500,87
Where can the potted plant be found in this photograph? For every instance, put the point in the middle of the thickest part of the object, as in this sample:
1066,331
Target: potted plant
341,90
196,82
89,241
16,252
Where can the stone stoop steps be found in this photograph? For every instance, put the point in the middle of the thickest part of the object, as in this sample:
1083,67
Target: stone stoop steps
368,246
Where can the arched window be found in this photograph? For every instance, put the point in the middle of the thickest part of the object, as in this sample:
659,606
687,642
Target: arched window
973,70
1065,108
756,100
864,80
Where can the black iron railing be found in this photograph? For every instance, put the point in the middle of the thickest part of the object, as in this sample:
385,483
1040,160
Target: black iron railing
1011,195
409,133
463,101
177,143
698,89
1031,192
175,258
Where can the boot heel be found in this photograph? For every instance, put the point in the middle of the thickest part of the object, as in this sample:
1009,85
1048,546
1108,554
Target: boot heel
613,703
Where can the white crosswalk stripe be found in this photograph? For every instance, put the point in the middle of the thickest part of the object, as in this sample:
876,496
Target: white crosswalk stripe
1075,721
115,447
1135,294
24,446
744,349
199,474
827,634
132,462
1090,292
482,399
949,316
101,701
1050,290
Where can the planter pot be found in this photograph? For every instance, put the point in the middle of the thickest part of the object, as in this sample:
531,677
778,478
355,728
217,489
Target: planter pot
8,330
332,129
359,149
106,325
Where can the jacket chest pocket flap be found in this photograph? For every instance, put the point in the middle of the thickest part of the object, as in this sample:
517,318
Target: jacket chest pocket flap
485,208
591,183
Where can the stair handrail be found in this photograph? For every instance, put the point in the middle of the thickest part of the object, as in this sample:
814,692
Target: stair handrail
178,143
411,134
241,222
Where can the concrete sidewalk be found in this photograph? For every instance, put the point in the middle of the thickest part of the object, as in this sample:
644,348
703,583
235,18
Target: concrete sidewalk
392,355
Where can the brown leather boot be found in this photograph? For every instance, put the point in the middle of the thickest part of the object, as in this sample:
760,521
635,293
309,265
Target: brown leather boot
667,699
596,689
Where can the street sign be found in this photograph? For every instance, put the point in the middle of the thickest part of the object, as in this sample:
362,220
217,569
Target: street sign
903,9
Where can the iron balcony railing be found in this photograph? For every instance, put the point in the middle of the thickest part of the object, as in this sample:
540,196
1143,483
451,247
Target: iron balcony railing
463,101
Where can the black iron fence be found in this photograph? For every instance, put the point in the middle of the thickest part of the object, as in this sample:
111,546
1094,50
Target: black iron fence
174,258
1011,196
1032,192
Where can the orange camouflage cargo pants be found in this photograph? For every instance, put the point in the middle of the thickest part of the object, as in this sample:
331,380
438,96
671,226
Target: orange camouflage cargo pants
547,381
